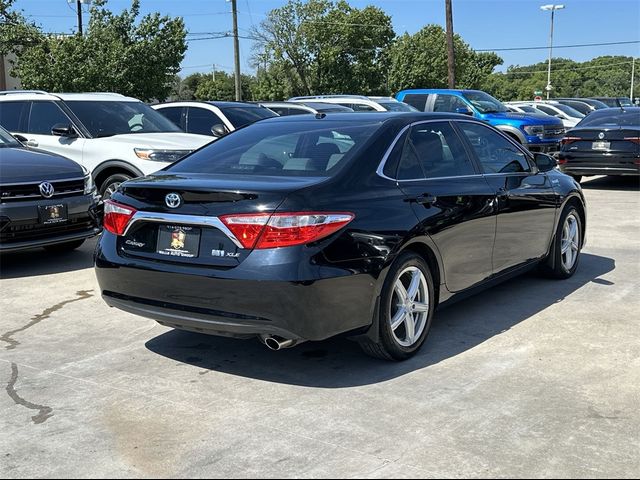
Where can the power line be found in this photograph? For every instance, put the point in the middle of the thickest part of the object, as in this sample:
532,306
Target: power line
556,46
570,69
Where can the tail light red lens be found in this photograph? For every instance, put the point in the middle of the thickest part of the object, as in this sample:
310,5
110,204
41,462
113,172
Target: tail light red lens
633,139
568,140
284,229
117,216
562,161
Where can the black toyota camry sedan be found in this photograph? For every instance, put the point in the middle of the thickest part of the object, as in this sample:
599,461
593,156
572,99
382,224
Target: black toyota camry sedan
298,229
45,200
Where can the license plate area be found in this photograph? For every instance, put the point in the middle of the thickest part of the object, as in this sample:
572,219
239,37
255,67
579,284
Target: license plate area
52,214
601,145
178,241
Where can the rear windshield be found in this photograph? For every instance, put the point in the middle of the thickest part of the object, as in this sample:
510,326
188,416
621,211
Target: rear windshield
612,117
241,116
107,118
281,149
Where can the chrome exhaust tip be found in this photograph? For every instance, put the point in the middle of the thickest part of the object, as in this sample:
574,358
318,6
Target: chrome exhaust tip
277,343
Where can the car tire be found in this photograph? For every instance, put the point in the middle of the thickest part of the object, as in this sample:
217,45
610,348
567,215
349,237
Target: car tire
567,245
64,247
407,303
110,185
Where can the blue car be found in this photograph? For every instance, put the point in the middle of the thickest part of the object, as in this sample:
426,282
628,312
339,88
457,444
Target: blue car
537,132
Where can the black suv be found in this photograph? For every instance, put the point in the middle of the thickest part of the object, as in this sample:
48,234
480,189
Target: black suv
45,200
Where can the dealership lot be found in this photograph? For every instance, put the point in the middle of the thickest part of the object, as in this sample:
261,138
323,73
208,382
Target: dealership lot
532,378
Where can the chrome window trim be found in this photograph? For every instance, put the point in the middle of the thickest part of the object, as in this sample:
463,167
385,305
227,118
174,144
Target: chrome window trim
173,218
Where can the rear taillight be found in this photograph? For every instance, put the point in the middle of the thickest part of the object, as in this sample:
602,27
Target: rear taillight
633,139
284,229
562,161
568,140
117,216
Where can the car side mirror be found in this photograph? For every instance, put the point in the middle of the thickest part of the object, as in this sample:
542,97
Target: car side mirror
464,111
62,130
545,162
219,130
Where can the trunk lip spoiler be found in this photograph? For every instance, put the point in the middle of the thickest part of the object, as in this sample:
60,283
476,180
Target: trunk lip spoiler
178,219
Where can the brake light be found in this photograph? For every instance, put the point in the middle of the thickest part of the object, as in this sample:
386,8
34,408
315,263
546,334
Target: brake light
633,139
568,140
284,229
562,161
117,216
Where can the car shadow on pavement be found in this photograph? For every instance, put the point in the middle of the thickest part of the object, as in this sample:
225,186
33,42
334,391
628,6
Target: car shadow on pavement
611,183
339,363
35,262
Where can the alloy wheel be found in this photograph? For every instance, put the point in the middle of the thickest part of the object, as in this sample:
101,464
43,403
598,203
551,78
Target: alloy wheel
570,244
409,306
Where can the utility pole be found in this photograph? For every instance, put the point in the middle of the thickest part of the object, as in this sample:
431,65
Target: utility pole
79,5
553,9
213,75
451,76
633,72
236,50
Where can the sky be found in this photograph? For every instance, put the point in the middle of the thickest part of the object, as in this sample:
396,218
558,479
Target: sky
483,24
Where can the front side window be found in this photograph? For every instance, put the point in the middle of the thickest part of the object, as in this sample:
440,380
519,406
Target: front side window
201,120
44,116
360,107
281,149
547,110
398,107
448,103
495,153
485,103
433,150
417,100
107,118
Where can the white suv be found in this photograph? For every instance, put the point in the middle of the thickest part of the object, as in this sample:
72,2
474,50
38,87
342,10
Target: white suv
113,136
360,103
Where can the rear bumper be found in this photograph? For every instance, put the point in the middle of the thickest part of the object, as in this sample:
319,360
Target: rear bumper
550,147
262,296
20,228
605,164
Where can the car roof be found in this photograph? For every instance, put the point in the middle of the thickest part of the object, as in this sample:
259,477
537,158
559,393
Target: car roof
218,104
438,90
9,95
373,117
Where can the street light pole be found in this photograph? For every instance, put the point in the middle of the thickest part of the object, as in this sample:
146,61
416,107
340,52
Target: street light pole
236,50
79,6
553,9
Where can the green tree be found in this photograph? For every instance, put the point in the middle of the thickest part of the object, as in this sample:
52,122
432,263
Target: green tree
608,76
15,31
420,61
223,87
321,46
119,53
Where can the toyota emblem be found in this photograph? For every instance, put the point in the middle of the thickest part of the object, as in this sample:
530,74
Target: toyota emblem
173,200
46,189
601,135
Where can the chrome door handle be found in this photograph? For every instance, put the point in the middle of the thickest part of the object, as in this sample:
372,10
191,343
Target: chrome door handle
32,143
426,199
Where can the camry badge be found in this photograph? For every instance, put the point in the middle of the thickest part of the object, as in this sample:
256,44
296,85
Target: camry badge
46,189
601,135
173,200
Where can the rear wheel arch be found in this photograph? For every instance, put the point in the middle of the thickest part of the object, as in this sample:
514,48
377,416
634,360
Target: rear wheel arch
575,201
429,255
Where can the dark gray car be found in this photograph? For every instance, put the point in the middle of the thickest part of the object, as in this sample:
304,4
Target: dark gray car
45,200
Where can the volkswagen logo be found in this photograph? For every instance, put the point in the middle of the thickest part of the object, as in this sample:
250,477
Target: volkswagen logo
173,200
601,135
46,189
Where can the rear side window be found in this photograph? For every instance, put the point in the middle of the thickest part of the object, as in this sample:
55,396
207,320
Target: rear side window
281,149
495,153
201,120
241,116
43,117
174,114
547,110
417,100
434,150
358,107
12,115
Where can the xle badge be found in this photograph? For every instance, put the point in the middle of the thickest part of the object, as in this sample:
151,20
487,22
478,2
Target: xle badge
222,253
